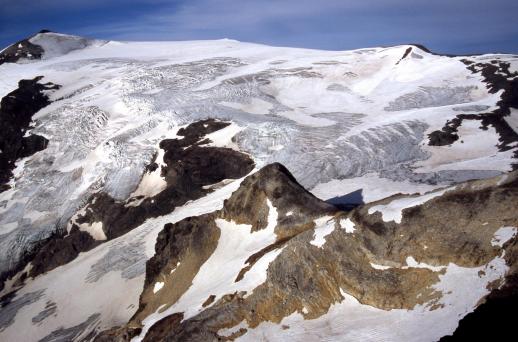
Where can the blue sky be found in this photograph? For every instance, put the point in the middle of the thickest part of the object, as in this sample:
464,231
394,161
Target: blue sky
446,26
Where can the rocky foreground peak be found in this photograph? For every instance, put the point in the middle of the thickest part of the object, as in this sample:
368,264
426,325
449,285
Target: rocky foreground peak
276,260
274,183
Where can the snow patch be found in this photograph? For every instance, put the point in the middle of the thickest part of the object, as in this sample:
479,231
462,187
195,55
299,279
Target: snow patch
412,263
226,332
379,267
323,227
502,235
223,137
158,286
348,225
152,183
393,211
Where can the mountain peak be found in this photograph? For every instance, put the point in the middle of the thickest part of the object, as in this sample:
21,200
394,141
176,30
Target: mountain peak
45,44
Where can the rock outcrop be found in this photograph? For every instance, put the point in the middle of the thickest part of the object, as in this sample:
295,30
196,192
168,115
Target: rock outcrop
16,111
23,49
43,45
498,77
189,166
303,256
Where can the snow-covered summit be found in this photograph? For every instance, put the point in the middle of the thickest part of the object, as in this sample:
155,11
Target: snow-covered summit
58,44
45,45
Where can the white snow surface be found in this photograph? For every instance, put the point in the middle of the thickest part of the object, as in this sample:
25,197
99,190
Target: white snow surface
393,211
503,234
348,225
323,227
57,44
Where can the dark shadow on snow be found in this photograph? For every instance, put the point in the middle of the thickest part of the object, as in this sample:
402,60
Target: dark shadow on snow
349,201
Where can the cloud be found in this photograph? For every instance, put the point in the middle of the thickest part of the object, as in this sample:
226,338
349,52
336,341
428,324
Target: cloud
329,24
17,7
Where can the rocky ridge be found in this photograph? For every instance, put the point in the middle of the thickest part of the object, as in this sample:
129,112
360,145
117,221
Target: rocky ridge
184,175
321,254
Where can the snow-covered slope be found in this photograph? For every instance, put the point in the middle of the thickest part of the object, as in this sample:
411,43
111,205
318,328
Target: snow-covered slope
44,45
352,126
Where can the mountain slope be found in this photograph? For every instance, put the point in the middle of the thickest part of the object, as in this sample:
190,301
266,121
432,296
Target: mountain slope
313,267
123,138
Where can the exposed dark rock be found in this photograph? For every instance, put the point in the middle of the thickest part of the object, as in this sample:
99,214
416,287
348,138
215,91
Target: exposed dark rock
118,334
161,329
407,52
190,167
23,49
498,78
16,111
60,250
209,301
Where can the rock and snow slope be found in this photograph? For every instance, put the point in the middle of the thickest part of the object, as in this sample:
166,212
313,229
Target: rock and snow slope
352,126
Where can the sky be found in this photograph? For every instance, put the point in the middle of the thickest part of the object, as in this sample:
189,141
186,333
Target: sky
444,26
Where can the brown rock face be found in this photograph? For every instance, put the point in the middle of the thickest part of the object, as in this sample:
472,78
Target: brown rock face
319,256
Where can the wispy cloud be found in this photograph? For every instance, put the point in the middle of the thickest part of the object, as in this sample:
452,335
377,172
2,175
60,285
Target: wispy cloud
444,25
